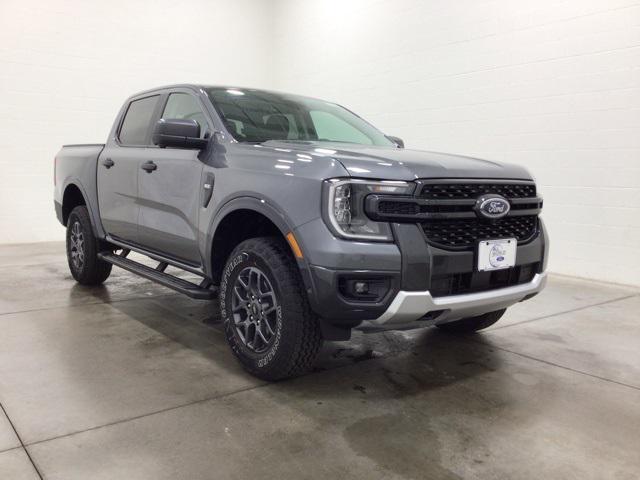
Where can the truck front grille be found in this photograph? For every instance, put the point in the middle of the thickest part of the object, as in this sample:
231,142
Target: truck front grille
451,228
464,233
446,210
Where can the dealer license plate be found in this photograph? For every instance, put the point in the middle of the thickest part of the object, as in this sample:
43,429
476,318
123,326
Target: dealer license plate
496,254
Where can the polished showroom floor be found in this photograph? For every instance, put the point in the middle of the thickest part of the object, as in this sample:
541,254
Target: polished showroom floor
131,381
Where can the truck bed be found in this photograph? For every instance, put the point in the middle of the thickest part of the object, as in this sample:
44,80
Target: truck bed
77,164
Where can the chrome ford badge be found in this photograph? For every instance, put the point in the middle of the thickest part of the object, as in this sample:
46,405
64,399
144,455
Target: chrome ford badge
492,206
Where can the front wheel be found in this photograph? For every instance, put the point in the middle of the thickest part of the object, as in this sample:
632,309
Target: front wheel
267,318
83,248
472,324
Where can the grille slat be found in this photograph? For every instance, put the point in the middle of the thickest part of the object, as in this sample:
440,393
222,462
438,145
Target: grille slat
398,208
465,232
444,191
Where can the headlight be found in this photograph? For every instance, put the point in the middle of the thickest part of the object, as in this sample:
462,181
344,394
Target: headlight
344,208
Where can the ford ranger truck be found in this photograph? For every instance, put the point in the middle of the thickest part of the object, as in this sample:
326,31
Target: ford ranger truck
303,221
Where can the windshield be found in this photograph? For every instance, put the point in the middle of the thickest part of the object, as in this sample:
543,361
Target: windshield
256,116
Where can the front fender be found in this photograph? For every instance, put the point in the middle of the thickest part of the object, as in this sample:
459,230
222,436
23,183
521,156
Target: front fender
262,206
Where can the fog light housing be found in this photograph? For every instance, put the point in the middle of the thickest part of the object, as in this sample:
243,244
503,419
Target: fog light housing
364,289
361,288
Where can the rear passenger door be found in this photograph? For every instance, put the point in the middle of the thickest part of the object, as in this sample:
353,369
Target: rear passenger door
118,169
169,195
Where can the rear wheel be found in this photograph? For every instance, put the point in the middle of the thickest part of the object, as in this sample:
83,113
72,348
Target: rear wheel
472,324
267,319
83,248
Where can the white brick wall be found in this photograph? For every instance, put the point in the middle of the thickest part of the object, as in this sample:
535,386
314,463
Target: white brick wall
553,85
66,67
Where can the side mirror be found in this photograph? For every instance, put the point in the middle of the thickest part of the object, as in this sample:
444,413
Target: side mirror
397,140
175,132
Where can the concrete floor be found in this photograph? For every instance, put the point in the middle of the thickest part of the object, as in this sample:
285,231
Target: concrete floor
131,381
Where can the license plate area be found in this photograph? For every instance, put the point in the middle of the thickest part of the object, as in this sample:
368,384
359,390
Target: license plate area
496,254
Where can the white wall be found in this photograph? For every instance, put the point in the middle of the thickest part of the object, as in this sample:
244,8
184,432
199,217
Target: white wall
66,67
553,85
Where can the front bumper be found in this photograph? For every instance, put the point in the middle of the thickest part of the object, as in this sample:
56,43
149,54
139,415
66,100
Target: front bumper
407,307
416,272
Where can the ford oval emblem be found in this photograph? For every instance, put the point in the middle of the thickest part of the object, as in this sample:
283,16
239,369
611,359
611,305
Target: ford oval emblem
492,206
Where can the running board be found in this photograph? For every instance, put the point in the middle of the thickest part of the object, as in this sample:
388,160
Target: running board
204,291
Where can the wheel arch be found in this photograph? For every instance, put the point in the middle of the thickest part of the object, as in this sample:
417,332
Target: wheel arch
238,220
71,198
74,195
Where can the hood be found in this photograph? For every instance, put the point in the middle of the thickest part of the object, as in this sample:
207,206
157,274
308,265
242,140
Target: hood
388,163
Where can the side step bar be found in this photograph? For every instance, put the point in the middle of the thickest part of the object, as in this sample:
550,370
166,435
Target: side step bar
204,291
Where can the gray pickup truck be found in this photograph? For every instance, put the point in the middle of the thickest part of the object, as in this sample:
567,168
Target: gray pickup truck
301,218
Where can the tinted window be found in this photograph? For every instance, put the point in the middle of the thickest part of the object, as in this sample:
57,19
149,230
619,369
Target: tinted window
328,126
185,106
258,116
136,121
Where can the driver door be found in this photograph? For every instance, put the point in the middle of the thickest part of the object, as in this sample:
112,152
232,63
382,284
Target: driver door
168,195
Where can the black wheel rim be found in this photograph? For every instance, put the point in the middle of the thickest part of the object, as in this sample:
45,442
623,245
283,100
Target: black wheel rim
254,307
77,246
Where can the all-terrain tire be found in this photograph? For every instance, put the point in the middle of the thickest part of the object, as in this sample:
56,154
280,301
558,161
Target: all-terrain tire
472,324
83,248
294,336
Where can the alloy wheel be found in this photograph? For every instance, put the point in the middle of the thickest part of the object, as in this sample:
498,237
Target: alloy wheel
77,246
254,307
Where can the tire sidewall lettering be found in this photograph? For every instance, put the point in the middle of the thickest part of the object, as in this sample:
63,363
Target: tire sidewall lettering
233,267
271,353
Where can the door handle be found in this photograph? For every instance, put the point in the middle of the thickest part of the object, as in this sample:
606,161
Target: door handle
108,163
149,166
